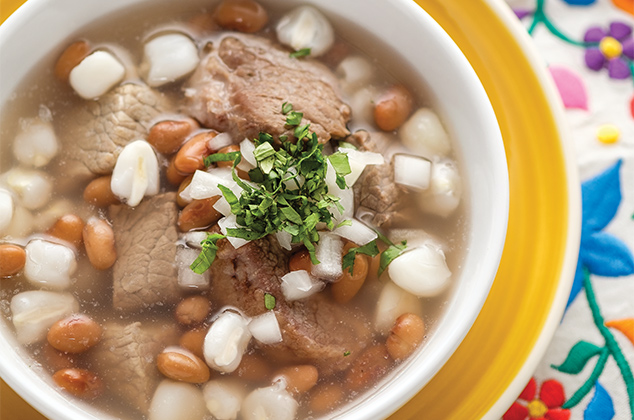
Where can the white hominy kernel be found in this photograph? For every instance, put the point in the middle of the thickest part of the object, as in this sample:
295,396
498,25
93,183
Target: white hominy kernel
36,144
177,401
305,27
32,187
6,210
49,264
444,193
136,173
35,311
226,341
392,303
355,72
223,398
424,134
421,271
96,74
270,403
168,58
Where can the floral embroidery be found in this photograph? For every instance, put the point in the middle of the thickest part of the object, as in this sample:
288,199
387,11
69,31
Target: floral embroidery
614,50
547,406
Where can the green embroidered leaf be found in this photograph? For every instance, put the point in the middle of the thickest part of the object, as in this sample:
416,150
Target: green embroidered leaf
577,358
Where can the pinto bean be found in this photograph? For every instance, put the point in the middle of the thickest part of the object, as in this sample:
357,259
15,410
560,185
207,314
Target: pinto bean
241,15
74,334
325,397
369,367
406,334
300,378
190,157
194,340
199,214
173,176
193,310
81,383
184,366
99,193
181,202
348,285
168,136
99,243
392,108
68,228
12,259
71,56
300,261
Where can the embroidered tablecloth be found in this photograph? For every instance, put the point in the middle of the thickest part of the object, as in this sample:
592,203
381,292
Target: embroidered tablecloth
588,48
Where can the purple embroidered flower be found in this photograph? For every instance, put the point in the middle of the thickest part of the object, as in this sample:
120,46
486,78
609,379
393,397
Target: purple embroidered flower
614,51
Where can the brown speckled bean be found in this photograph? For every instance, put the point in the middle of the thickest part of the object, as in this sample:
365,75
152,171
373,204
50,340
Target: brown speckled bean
168,136
68,228
182,366
190,157
74,334
241,15
99,193
99,242
393,108
81,383
406,334
300,378
12,259
198,214
71,57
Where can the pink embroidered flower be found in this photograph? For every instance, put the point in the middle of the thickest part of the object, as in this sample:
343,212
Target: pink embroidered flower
546,407
614,51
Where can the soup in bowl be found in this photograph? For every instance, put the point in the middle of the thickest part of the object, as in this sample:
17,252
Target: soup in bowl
239,209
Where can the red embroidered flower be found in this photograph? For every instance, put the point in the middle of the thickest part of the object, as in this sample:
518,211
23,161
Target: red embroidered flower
546,407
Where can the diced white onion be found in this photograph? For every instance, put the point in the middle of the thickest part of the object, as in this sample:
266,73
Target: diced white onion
421,271
187,279
356,232
96,74
49,264
223,206
226,341
205,184
306,27
223,398
444,193
270,403
6,210
229,222
392,303
328,252
355,72
219,141
36,144
177,401
358,161
136,173
168,58
247,147
35,311
424,134
265,328
412,171
284,238
33,188
299,284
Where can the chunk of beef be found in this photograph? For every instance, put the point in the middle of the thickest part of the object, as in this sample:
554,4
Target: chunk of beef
314,330
241,85
145,273
125,359
377,198
100,129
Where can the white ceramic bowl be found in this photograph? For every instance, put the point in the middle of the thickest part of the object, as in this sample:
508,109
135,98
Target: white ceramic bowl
41,28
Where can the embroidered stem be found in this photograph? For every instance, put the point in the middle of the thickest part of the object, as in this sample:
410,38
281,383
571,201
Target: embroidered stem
589,383
610,342
540,17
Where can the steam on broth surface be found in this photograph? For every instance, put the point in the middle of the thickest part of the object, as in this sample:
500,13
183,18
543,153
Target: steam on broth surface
232,209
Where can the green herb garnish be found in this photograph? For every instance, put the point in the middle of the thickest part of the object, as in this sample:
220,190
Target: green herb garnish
208,253
220,157
372,249
390,254
300,53
346,353
290,192
269,301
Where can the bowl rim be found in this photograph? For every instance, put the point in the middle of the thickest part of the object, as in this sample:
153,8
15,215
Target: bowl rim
390,401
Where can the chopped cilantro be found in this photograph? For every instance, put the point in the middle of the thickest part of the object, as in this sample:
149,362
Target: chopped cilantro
370,249
208,253
269,301
294,118
390,254
300,53
346,353
286,108
221,157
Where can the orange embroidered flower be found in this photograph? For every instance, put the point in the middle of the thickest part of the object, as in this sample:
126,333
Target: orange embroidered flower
546,407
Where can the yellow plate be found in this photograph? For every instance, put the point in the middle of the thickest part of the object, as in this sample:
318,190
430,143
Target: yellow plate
508,339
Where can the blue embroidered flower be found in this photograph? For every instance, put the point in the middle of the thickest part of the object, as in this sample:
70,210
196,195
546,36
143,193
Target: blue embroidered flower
601,253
